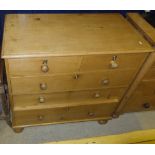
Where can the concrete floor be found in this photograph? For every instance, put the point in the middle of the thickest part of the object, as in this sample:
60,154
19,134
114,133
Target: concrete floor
43,134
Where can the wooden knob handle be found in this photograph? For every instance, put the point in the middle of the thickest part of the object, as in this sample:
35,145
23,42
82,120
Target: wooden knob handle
43,86
146,105
105,82
44,68
113,64
91,114
76,76
40,118
97,95
41,99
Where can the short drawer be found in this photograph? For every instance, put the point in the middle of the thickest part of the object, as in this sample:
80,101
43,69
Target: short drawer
147,88
71,64
44,66
70,82
112,61
65,98
63,114
138,102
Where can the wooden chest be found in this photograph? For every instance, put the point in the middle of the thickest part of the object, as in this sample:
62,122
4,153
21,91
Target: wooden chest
69,67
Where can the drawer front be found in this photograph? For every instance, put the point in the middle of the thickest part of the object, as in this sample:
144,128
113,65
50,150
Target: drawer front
64,99
71,64
54,115
147,88
153,65
42,84
138,102
150,74
49,65
111,78
143,98
30,117
107,93
118,61
70,82
91,111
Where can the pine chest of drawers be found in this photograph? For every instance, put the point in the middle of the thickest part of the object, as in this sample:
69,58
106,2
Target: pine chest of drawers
69,67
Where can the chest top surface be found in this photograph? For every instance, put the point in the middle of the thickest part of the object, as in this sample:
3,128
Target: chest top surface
35,35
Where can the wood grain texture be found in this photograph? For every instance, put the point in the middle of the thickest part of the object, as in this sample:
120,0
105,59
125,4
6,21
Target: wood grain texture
35,35
143,26
67,82
142,90
59,66
139,103
27,102
32,66
72,64
62,122
150,74
147,87
72,113
144,94
142,72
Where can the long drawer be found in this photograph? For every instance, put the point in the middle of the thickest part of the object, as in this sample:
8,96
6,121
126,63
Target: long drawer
71,64
70,82
62,114
65,98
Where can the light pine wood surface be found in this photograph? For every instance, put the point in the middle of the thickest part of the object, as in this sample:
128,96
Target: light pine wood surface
59,65
67,82
34,35
82,111
71,67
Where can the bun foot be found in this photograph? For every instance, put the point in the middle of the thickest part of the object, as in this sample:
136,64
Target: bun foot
115,116
102,122
18,130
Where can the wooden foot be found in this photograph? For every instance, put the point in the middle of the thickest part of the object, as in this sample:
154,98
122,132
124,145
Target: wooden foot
102,121
18,130
115,116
